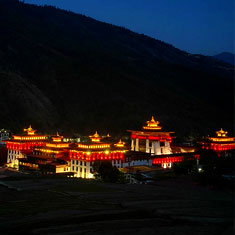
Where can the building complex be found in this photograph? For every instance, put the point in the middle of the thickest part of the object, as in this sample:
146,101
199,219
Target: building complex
149,146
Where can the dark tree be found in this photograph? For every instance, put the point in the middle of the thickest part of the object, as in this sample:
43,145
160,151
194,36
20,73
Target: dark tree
106,171
185,167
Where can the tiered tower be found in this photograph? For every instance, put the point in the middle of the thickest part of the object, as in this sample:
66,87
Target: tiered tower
86,153
220,143
21,144
151,139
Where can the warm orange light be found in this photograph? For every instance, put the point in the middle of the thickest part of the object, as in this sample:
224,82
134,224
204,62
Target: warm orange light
152,125
51,145
227,139
221,133
57,138
93,146
95,138
47,150
106,152
16,137
120,143
30,130
221,137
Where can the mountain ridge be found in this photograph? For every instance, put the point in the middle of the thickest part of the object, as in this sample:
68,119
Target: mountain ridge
96,75
226,57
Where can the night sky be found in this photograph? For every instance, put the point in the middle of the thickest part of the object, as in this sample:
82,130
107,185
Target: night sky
196,26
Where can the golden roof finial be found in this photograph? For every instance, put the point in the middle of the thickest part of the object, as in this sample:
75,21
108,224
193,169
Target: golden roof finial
152,125
30,130
120,143
221,133
57,137
95,138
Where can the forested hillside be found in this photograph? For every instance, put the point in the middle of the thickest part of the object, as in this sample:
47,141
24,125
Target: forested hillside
68,72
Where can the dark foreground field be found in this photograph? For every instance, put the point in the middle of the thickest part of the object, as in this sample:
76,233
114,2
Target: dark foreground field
72,206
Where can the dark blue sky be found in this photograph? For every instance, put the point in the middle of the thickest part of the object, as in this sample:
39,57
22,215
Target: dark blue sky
197,26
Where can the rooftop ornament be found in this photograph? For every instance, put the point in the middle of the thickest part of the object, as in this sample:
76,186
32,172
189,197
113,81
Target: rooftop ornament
57,138
30,130
152,125
120,143
221,133
95,138
221,137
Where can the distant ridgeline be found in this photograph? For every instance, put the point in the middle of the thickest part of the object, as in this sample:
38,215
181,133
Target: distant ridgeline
60,70
226,57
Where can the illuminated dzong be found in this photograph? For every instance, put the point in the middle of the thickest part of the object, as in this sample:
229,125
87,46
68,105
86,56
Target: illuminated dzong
150,147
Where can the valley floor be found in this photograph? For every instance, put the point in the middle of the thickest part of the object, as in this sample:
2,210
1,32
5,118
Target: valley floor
67,206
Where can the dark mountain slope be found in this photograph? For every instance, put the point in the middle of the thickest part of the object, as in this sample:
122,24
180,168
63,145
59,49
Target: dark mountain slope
23,99
92,75
226,57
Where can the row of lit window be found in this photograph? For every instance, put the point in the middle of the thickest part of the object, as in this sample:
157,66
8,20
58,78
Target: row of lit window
93,146
13,151
85,170
76,162
28,164
57,145
47,150
102,152
29,138
221,139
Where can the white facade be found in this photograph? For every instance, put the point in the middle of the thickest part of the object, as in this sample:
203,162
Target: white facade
117,163
13,156
62,168
81,168
167,165
153,147
84,169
